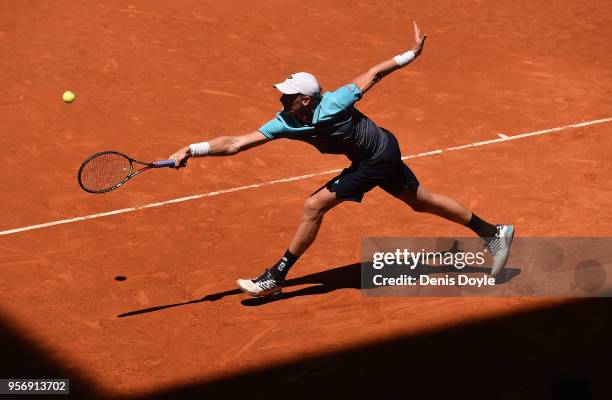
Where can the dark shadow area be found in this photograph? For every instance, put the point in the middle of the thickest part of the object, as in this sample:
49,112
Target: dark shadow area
568,387
557,353
562,352
23,358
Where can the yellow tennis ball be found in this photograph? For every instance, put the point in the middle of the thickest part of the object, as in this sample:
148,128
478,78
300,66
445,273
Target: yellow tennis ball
68,96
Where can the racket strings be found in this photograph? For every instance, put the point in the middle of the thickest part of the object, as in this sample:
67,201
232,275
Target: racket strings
105,171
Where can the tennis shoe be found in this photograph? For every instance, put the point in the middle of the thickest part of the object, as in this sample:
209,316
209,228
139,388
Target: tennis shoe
500,247
262,286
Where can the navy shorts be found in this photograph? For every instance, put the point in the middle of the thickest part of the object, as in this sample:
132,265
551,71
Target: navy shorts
387,171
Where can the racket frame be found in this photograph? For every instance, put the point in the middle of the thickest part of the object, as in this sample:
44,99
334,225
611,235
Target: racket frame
131,173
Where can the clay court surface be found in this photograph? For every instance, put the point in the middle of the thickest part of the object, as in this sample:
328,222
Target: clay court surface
151,77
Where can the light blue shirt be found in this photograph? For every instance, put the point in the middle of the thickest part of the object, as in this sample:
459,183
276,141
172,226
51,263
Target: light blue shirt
335,109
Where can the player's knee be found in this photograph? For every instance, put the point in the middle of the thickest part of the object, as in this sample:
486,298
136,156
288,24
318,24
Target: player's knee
419,201
313,208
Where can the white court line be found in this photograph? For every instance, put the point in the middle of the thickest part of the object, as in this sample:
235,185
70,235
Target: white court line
502,138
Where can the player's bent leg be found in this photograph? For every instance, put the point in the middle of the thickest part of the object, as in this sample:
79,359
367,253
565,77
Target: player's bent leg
271,281
315,208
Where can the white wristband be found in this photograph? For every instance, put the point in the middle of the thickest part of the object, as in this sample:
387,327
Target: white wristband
199,149
405,59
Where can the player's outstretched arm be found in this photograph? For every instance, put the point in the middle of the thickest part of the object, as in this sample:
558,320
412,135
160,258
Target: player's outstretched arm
368,79
221,146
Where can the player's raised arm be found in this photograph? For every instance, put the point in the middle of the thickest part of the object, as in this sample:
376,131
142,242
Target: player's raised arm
221,146
366,80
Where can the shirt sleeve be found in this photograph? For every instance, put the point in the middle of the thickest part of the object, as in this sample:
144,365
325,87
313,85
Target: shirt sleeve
343,98
273,129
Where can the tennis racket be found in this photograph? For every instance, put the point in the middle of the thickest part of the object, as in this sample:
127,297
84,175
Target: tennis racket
107,170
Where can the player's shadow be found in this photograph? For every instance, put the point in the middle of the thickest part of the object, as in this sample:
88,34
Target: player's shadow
349,277
208,297
345,277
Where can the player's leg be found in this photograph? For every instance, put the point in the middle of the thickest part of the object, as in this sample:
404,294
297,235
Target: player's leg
271,281
315,208
399,181
350,185
422,200
497,237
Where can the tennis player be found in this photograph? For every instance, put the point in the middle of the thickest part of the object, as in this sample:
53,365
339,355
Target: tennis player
332,124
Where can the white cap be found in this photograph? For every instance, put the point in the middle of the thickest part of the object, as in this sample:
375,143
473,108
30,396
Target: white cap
300,82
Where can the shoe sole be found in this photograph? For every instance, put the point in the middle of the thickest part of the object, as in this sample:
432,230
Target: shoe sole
508,240
267,293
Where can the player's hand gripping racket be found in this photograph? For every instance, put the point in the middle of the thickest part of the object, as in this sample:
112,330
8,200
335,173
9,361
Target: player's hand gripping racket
107,170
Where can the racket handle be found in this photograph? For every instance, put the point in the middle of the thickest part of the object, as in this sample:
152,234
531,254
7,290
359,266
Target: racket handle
164,164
